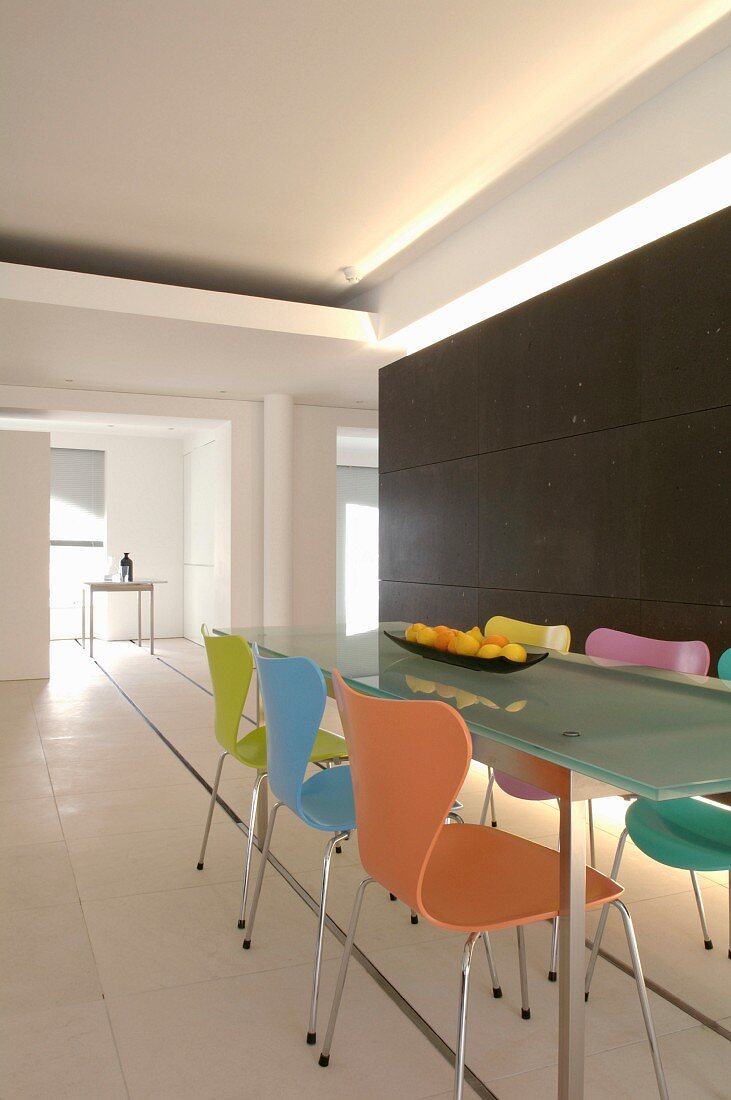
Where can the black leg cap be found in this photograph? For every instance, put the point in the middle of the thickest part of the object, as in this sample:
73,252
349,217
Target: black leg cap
311,1038
414,919
729,952
525,1013
494,824
708,944
586,996
497,992
200,867
246,945
552,976
392,897
324,1060
338,849
242,924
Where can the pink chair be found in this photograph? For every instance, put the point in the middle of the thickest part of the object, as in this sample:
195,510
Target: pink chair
691,658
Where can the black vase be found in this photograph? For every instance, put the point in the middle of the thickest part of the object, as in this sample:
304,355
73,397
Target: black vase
125,567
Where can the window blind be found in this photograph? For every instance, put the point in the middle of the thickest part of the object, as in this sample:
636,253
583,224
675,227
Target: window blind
77,497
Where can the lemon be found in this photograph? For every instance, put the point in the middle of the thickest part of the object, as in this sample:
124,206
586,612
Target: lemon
467,645
464,699
425,687
514,652
412,631
452,644
489,651
426,636
476,633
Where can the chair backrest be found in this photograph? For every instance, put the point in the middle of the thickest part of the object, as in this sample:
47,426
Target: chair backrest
552,637
724,665
408,761
692,658
231,665
294,695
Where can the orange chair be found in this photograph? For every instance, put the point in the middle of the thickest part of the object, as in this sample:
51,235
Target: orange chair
466,878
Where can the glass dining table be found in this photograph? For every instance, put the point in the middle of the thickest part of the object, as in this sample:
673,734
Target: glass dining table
571,725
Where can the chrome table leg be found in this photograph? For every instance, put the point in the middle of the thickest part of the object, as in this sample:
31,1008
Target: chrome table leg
152,619
572,932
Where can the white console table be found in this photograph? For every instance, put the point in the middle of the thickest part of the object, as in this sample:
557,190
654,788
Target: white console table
118,586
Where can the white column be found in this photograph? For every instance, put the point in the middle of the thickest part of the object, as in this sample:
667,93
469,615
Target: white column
278,450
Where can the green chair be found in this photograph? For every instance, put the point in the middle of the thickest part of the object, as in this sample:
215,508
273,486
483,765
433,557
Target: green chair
685,833
231,665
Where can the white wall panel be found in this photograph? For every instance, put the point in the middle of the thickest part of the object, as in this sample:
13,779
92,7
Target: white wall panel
24,546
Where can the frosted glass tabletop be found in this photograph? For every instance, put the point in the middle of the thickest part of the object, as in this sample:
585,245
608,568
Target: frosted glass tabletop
657,734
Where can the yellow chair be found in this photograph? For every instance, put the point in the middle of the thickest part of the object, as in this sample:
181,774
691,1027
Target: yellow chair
550,637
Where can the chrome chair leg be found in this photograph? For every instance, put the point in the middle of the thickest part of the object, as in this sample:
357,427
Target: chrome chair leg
553,966
260,876
249,845
524,1002
462,1018
603,918
496,988
342,973
211,807
592,838
489,802
644,1000
707,941
312,1028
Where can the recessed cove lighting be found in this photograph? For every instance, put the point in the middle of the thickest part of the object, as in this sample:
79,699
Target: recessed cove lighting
675,206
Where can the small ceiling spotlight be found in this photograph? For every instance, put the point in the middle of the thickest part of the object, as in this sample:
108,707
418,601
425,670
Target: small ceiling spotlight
352,275
68,379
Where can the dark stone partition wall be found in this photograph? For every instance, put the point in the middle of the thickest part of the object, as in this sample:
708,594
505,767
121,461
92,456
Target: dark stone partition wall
568,460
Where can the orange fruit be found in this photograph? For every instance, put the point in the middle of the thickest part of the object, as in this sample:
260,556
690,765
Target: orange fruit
515,652
497,639
442,640
489,650
442,629
452,644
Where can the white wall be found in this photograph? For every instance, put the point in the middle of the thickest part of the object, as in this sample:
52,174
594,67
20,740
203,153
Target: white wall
314,519
144,506
24,549
237,598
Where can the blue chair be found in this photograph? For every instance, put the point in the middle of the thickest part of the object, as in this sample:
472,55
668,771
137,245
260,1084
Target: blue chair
685,833
294,695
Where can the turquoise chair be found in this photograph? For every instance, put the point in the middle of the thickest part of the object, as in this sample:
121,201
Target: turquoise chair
685,833
294,694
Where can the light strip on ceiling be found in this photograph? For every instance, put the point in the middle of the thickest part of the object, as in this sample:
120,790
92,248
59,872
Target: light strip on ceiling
688,200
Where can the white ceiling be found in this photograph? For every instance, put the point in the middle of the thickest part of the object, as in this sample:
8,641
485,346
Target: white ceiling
88,423
261,145
44,345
